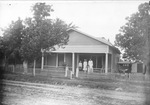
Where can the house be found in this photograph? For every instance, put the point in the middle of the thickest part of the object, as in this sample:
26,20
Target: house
83,46
137,67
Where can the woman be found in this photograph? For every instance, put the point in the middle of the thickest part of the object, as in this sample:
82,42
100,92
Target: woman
85,65
80,65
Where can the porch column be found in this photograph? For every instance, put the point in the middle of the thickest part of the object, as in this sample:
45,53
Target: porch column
42,61
73,62
56,60
77,67
112,63
106,63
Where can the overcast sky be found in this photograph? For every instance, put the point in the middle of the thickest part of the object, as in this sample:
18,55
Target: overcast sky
96,18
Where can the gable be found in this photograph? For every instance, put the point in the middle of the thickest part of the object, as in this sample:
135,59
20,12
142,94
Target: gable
76,38
82,43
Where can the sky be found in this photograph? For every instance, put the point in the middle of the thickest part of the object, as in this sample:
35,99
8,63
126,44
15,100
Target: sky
96,18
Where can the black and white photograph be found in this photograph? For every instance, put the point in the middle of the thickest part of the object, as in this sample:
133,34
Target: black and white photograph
75,52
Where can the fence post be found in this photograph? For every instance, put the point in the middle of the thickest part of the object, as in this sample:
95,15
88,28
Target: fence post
34,67
66,71
77,72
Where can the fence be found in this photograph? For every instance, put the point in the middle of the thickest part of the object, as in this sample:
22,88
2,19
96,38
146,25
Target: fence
60,72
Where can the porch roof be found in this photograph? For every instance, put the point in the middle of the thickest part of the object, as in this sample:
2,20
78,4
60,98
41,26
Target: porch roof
124,62
81,49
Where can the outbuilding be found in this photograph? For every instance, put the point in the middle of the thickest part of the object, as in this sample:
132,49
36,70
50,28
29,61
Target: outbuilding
137,67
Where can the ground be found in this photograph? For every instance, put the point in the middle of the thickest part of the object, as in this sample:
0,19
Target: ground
23,94
63,91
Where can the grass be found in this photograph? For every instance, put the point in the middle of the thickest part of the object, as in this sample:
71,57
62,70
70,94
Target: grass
92,81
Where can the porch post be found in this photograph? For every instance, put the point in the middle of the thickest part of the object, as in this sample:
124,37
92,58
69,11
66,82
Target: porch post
56,60
77,68
42,61
112,63
106,63
73,62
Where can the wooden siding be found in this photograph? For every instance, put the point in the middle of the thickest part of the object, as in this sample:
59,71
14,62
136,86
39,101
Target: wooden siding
83,49
76,38
110,50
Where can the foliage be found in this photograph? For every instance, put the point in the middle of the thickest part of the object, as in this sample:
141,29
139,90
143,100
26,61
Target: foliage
41,32
133,35
11,40
26,38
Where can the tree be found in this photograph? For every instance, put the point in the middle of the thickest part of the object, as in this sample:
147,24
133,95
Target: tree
41,32
11,41
134,36
1,52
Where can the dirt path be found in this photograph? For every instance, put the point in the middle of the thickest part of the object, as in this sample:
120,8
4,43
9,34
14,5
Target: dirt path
23,93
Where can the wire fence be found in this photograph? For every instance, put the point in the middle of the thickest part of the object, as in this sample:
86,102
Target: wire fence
60,72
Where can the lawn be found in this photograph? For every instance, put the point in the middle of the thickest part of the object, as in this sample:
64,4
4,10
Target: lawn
94,83
100,81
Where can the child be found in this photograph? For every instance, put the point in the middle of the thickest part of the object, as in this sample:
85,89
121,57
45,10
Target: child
80,65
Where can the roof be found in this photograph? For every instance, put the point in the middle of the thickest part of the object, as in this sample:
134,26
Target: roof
124,62
138,62
100,39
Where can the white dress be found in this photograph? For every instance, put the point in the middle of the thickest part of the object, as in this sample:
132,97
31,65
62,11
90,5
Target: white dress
80,64
85,65
90,63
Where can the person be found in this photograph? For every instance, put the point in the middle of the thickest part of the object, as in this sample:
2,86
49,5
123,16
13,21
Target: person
85,65
80,65
66,70
90,66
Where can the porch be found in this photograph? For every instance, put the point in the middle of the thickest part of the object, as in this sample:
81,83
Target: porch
102,62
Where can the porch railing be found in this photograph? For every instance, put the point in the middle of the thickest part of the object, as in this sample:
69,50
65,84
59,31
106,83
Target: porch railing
96,70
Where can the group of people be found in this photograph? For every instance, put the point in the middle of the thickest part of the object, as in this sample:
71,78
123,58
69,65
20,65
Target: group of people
87,66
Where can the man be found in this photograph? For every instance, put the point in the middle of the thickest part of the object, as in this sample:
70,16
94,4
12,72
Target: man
90,66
